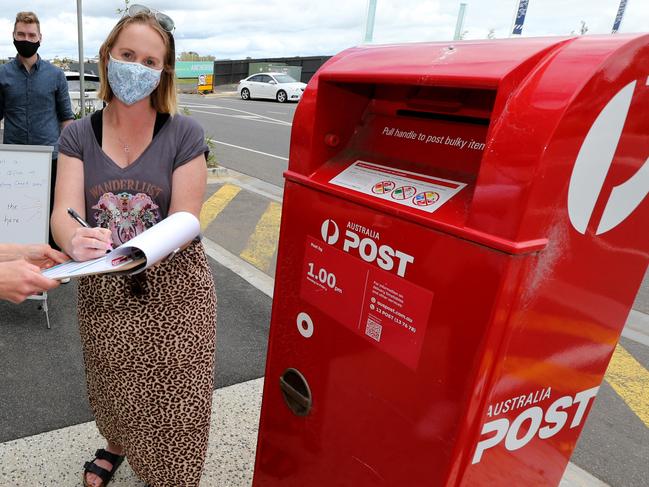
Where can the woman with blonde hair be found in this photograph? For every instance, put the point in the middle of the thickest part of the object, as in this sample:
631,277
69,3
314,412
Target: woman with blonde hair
148,342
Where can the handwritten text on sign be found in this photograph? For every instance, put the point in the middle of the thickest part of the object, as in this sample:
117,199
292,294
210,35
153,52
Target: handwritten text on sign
24,193
13,177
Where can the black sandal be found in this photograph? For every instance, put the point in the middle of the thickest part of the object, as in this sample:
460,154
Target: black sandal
102,473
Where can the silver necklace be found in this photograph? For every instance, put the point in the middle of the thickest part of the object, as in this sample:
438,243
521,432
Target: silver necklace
124,144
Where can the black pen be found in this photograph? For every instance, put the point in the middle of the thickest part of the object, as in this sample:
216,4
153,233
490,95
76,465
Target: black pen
76,216
80,221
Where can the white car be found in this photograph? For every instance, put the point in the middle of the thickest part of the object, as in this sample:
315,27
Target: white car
91,88
274,86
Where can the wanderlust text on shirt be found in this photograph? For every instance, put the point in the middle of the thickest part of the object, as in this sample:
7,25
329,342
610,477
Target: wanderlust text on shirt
131,185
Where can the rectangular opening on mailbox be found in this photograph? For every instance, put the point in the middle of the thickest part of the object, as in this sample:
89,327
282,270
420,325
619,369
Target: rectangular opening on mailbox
411,146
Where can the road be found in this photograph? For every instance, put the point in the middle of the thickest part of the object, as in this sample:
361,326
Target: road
252,137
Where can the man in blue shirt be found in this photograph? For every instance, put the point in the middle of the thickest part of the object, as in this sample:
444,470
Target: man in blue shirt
34,98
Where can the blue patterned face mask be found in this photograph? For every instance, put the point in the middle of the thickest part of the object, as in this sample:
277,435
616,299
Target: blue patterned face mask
131,82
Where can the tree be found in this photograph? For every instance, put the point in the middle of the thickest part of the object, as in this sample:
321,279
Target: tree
194,56
189,56
122,11
582,30
63,63
491,34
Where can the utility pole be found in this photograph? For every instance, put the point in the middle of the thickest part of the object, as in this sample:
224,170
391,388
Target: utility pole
369,26
459,26
82,91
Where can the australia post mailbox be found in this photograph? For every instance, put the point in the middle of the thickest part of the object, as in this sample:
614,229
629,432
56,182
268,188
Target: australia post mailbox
464,230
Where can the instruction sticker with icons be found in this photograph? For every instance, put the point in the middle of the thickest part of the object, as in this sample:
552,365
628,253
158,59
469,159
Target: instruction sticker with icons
403,187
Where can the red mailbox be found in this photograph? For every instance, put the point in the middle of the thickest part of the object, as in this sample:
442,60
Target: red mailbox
463,235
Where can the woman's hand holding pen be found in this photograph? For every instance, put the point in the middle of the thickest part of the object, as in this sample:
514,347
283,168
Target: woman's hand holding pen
90,243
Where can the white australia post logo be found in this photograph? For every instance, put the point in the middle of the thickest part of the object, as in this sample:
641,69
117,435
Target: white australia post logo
536,421
364,242
593,163
329,232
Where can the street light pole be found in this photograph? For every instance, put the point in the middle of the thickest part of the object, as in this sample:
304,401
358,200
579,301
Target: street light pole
82,91
369,26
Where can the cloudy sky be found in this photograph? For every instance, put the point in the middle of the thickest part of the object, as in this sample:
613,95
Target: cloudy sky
235,29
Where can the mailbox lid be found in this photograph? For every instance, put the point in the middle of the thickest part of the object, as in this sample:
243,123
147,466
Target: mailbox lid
463,63
340,92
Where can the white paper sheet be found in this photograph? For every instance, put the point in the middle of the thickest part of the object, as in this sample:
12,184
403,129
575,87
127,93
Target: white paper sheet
162,239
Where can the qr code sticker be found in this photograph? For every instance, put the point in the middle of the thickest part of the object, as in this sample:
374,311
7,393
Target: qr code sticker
373,330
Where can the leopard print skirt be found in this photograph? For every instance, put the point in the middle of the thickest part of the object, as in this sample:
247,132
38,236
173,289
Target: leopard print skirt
149,362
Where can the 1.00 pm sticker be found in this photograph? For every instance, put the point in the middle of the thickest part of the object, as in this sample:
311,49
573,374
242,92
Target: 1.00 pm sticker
321,277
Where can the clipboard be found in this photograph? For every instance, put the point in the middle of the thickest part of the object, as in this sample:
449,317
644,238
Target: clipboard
141,252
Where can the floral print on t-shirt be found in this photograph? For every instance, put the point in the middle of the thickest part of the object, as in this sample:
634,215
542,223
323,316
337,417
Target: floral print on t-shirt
126,215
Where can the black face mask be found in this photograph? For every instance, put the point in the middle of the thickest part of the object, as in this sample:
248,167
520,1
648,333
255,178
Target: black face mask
25,48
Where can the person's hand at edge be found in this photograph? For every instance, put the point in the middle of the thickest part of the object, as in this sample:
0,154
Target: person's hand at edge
19,279
43,256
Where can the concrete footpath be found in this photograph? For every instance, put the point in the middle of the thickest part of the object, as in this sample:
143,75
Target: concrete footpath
230,459
54,459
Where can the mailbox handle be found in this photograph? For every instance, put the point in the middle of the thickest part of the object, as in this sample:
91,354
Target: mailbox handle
296,392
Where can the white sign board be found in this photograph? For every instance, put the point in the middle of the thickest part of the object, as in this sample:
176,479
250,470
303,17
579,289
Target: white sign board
25,193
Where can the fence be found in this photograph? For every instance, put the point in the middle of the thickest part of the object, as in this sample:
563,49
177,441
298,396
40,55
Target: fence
233,71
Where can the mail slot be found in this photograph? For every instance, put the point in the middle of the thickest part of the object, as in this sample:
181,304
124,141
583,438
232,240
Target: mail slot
463,234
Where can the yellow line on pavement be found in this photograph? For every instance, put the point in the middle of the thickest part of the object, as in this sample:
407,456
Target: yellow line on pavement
215,204
631,381
263,242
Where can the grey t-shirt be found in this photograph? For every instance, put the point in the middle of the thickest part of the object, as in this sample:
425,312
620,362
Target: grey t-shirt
129,200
